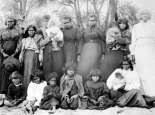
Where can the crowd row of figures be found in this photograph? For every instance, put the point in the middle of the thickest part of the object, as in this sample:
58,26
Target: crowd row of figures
91,66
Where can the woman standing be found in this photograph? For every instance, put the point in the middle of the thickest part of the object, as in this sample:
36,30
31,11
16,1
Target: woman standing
114,54
9,38
93,46
53,57
70,42
125,34
29,54
143,47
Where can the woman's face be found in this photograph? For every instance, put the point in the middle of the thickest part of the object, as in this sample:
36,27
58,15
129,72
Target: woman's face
95,78
92,22
122,26
31,32
126,66
70,72
10,23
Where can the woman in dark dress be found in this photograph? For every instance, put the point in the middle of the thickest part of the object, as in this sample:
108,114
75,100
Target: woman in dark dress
53,56
9,38
114,54
70,42
125,34
93,46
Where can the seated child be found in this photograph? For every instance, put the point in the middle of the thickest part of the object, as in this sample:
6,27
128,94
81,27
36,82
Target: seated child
51,94
34,92
15,94
97,92
71,88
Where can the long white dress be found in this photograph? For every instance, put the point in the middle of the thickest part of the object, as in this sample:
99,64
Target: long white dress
143,47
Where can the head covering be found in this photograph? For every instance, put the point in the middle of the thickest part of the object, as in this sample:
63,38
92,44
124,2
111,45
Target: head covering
11,64
52,76
143,13
16,75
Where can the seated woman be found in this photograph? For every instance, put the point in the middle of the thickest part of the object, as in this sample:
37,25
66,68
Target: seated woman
71,88
97,92
125,87
15,94
51,94
34,92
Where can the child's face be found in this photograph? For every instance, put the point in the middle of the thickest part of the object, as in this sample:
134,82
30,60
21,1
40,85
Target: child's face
119,76
52,82
95,78
36,80
70,72
126,66
16,81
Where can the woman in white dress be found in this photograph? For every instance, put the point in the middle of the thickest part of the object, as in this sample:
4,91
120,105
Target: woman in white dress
143,48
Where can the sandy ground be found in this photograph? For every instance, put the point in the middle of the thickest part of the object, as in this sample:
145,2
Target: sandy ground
110,111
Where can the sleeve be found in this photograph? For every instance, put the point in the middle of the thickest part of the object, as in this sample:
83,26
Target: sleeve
30,92
45,91
61,84
133,40
80,85
9,92
86,89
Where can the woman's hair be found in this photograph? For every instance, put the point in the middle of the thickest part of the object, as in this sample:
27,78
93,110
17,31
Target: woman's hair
26,32
37,73
95,72
124,21
142,13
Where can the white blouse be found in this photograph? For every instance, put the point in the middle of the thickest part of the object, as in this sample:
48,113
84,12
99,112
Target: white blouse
29,43
35,91
142,31
130,80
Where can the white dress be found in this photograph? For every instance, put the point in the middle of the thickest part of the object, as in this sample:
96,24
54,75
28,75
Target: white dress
143,47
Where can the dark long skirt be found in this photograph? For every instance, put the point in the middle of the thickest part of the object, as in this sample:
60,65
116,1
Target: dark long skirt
70,52
90,58
111,61
53,61
5,81
30,65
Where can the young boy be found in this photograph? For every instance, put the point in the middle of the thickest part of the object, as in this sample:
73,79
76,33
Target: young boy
15,94
97,92
51,94
71,88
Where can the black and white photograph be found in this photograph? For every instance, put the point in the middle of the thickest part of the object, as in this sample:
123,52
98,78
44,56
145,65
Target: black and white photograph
77,57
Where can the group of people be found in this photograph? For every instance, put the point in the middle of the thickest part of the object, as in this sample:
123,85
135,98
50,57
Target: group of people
49,67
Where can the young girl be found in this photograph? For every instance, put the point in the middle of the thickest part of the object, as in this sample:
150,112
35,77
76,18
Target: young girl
97,92
51,94
71,88
34,92
15,94
29,54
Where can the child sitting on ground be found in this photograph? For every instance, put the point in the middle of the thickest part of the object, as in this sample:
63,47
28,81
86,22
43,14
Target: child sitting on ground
15,94
71,88
34,92
97,92
51,94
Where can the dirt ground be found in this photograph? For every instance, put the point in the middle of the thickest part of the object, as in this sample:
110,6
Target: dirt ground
110,111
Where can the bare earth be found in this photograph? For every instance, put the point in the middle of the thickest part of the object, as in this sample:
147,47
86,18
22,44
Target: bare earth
110,111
